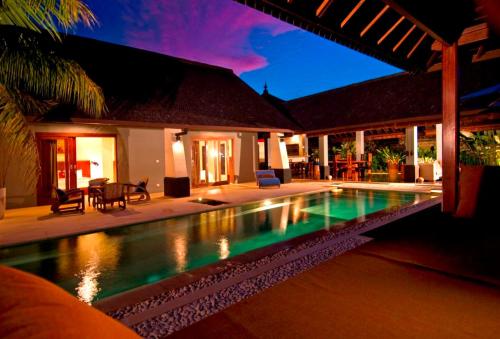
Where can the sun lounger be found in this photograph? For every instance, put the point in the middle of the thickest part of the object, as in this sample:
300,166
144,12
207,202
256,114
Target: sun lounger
266,178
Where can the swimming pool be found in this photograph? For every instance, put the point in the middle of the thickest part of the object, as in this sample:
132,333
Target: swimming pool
97,265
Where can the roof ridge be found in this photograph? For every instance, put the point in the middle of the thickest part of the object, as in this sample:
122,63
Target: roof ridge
145,51
353,85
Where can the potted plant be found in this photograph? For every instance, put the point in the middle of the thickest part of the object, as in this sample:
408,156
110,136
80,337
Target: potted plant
392,159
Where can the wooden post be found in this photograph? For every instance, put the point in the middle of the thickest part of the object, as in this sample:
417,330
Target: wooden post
451,128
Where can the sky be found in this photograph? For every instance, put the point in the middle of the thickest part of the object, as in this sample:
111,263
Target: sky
257,47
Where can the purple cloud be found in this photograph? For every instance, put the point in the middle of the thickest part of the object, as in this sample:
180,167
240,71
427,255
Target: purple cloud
215,32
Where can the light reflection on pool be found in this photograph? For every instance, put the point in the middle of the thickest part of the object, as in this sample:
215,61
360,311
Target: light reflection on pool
101,264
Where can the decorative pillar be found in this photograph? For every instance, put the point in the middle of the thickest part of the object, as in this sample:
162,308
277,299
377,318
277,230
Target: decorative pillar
324,170
439,143
360,144
176,181
411,144
451,127
278,158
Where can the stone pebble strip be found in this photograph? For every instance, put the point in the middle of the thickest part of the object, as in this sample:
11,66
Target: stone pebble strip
187,315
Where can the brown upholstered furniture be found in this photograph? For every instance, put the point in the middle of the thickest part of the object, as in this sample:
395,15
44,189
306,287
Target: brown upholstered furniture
138,190
73,201
32,307
95,184
109,194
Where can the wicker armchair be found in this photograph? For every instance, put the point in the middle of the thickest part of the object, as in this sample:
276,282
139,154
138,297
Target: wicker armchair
73,199
138,190
109,194
94,185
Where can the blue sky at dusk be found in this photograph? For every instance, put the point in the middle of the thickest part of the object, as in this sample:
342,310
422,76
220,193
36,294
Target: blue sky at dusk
258,47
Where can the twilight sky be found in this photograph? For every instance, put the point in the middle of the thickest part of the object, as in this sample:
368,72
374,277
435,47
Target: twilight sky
258,47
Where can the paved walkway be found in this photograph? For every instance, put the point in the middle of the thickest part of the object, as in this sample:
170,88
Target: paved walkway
35,223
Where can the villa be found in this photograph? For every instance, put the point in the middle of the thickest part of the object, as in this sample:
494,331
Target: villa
156,126
168,119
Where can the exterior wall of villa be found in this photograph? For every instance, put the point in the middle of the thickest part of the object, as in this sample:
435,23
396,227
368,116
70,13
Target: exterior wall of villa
140,152
142,155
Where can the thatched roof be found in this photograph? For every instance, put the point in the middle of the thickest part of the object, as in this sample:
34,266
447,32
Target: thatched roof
402,97
147,87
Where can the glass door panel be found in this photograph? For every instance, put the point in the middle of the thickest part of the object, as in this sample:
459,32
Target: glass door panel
57,156
212,162
95,158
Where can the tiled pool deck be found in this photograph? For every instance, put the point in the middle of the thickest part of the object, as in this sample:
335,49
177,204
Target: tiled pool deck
36,223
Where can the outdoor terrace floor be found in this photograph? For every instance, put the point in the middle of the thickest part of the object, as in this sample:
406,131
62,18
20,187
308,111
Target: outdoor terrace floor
36,223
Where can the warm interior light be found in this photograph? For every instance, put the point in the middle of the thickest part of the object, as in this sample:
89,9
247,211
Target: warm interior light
267,202
224,248
214,191
177,147
214,153
295,139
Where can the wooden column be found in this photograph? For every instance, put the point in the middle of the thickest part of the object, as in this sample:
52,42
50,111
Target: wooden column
451,128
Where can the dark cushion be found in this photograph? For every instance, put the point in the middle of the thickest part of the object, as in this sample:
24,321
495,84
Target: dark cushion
141,187
61,195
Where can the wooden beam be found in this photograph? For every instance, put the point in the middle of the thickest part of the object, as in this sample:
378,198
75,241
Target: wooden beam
409,15
408,56
354,10
374,21
479,53
321,10
451,128
385,136
390,30
470,35
404,38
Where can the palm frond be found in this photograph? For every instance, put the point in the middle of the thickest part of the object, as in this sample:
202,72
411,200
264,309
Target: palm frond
17,142
46,15
47,75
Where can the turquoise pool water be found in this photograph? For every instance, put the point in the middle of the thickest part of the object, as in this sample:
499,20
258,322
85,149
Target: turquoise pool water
96,265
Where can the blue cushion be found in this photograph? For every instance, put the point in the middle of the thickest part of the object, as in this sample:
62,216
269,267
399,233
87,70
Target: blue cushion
269,181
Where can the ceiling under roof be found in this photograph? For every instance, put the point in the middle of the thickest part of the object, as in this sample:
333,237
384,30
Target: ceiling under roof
405,33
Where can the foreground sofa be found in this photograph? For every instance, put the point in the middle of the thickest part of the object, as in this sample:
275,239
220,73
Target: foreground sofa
31,307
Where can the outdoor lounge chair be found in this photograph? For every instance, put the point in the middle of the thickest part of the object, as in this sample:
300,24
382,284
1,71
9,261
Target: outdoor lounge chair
138,190
266,178
95,184
109,194
73,199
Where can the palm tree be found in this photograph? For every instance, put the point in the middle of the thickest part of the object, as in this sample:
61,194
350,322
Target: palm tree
33,78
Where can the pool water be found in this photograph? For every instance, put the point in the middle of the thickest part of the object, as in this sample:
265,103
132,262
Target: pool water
97,265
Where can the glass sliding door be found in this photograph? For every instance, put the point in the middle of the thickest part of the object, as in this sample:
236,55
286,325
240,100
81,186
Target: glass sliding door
212,162
69,162
57,158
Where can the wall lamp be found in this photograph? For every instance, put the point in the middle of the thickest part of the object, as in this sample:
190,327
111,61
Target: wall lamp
178,135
